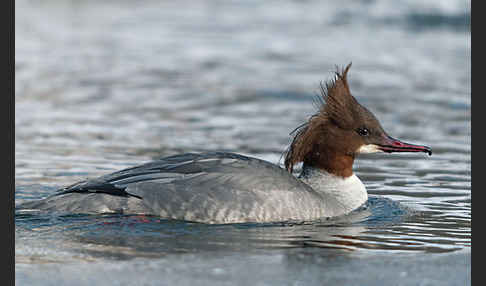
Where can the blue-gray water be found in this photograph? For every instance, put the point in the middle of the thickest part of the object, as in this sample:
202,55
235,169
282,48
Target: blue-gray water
104,85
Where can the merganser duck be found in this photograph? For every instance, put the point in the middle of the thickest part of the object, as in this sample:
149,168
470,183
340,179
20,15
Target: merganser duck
221,187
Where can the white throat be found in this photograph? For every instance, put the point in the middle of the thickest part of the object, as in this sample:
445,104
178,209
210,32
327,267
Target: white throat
349,191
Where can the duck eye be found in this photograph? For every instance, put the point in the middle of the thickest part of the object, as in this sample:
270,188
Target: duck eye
363,131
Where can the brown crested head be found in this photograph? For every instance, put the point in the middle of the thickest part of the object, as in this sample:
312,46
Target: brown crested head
340,129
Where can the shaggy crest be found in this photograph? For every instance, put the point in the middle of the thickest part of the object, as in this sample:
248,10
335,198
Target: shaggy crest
338,107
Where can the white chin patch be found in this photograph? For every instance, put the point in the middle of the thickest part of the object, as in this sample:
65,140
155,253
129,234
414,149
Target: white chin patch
370,148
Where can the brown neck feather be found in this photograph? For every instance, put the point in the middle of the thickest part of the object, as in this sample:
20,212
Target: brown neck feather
335,163
324,140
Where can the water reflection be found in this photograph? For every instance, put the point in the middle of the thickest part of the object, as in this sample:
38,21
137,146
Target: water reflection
380,225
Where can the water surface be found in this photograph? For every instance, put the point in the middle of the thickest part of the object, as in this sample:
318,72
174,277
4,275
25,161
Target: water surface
101,86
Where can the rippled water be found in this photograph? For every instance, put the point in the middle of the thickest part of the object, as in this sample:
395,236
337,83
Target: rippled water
101,86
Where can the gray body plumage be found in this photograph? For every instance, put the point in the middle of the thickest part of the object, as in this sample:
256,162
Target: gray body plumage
213,187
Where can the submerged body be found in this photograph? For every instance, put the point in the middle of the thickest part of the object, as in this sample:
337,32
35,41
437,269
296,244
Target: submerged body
214,187
230,188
